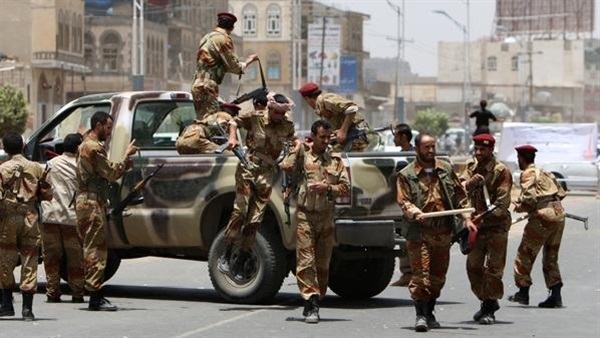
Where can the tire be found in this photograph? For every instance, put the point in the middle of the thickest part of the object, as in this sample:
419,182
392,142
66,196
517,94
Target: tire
360,278
113,261
270,269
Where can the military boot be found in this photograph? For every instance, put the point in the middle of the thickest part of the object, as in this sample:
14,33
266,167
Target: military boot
27,307
421,318
521,297
99,303
554,299
432,323
223,264
238,268
313,313
7,309
488,310
479,313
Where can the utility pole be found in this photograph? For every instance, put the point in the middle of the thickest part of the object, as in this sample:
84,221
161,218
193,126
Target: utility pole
322,54
399,81
137,46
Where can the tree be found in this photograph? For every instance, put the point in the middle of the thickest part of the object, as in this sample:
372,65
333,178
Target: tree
13,110
431,122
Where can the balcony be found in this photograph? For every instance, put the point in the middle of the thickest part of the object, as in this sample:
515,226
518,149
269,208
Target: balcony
58,59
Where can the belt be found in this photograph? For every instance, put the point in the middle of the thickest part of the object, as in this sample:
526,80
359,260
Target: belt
552,198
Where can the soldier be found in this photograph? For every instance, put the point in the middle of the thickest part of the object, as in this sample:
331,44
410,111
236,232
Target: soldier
322,179
215,57
94,172
427,185
340,112
267,132
540,197
22,186
199,137
488,181
59,224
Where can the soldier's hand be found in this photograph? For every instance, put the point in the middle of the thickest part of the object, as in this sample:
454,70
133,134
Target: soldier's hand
340,136
319,187
475,181
470,225
251,58
131,149
419,217
232,143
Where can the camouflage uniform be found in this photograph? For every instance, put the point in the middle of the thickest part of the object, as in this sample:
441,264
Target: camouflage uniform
59,228
215,57
265,141
485,262
332,107
19,230
198,138
315,232
540,197
94,172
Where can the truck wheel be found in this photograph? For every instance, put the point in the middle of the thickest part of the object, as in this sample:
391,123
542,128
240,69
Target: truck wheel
267,269
113,261
360,278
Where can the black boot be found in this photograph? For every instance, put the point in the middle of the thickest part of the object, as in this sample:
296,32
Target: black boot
479,313
421,319
223,264
312,316
521,297
238,268
7,309
554,299
488,310
27,307
99,303
432,323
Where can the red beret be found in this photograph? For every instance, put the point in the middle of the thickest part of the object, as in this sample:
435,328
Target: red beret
308,89
484,140
227,16
230,106
526,149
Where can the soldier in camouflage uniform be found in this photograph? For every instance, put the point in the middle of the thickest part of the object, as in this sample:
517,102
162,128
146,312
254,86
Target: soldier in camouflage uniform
428,185
340,112
540,197
485,262
199,137
94,172
267,132
59,224
322,179
215,57
22,186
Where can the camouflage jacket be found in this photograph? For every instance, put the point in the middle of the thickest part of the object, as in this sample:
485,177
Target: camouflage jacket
216,56
538,187
498,181
199,137
332,107
309,168
19,180
95,170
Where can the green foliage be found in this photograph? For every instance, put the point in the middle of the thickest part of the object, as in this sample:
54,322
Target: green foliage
13,111
431,122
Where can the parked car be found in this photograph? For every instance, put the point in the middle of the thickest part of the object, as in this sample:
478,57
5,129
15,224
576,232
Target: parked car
572,175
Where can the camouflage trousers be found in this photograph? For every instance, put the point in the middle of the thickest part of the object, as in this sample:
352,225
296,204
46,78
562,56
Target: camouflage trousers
485,263
538,234
429,259
404,261
19,235
314,243
56,240
205,92
91,225
253,190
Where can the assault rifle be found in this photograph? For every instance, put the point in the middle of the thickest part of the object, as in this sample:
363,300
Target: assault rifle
258,92
582,219
462,236
238,151
43,190
355,134
286,184
129,199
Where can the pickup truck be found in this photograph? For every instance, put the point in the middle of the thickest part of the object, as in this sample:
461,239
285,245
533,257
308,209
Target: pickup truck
183,210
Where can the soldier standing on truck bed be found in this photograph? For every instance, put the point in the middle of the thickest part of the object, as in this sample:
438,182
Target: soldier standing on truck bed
94,173
322,179
488,183
22,187
428,185
215,57
267,132
340,112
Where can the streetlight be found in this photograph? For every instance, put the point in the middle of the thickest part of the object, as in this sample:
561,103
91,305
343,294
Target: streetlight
399,41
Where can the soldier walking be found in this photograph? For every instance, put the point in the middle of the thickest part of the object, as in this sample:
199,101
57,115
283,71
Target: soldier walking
540,197
428,185
488,183
94,173
59,224
22,186
322,179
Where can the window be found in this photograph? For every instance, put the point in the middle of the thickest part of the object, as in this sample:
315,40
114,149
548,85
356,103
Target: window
157,124
110,52
89,53
274,66
273,20
491,63
514,63
249,15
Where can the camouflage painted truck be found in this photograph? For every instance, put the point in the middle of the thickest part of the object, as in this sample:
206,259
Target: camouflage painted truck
187,204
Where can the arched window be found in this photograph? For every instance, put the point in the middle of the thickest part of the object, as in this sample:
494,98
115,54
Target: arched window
514,63
110,45
491,63
273,20
89,51
274,66
249,20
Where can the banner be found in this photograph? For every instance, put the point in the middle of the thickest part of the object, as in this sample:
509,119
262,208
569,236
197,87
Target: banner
324,53
348,74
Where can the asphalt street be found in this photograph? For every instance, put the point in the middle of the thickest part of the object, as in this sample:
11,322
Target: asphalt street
174,298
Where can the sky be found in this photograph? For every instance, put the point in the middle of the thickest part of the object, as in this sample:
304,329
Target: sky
424,27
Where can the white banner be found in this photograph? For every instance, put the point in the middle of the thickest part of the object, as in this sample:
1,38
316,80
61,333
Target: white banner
327,46
555,142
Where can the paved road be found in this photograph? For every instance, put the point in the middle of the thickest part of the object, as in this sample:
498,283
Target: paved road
172,298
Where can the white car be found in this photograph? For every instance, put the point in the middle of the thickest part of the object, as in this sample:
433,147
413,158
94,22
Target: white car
572,175
388,141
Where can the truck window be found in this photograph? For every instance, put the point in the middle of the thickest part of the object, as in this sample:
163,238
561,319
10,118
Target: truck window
158,124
